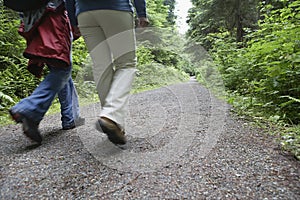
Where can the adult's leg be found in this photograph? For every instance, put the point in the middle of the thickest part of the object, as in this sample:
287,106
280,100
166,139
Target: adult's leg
119,30
66,104
103,31
100,53
31,110
75,102
70,112
37,104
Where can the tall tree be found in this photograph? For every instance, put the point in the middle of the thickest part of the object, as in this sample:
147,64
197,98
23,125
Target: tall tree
211,16
171,15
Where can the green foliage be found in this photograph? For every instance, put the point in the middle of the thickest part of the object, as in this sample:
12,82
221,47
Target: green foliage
171,15
12,45
291,140
84,80
262,74
15,81
79,56
144,55
157,13
158,65
214,16
165,57
268,69
154,75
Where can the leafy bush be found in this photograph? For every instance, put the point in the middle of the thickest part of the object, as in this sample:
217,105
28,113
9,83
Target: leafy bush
15,81
262,74
155,75
80,57
159,63
291,140
268,69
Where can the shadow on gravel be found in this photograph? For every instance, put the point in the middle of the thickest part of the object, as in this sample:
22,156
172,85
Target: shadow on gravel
30,147
25,145
52,135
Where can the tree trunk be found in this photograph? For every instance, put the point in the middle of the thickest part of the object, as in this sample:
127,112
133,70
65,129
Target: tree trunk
239,26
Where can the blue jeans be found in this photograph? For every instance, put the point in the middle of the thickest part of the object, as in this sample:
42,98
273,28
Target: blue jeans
69,105
37,104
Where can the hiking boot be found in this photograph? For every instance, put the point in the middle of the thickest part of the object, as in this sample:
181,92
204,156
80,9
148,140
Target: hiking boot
69,127
111,129
30,128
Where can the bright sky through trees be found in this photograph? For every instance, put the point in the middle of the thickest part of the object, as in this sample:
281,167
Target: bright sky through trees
181,11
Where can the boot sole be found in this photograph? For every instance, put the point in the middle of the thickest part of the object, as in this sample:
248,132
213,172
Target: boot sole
115,136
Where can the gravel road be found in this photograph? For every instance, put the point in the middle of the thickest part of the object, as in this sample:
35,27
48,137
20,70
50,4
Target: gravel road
183,144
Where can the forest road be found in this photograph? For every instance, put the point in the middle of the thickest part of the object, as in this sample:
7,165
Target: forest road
183,143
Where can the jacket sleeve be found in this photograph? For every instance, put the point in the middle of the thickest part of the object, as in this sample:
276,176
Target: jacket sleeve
140,7
70,6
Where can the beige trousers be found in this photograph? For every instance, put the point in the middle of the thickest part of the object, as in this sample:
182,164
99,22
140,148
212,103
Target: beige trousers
110,39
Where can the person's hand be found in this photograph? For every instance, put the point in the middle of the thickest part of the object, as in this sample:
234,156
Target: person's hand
143,22
76,32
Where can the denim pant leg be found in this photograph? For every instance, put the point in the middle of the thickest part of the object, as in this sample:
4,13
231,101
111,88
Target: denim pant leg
37,104
75,103
68,103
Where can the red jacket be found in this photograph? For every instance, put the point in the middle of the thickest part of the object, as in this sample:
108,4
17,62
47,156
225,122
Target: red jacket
49,41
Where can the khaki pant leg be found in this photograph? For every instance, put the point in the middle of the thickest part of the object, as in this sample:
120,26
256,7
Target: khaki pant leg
110,38
100,53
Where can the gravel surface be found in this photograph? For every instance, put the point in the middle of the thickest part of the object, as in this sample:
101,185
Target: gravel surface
183,144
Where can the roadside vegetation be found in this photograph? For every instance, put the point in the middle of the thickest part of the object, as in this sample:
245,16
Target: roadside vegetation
255,46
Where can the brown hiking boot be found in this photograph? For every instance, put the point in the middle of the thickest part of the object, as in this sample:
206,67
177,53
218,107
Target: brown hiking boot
111,129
